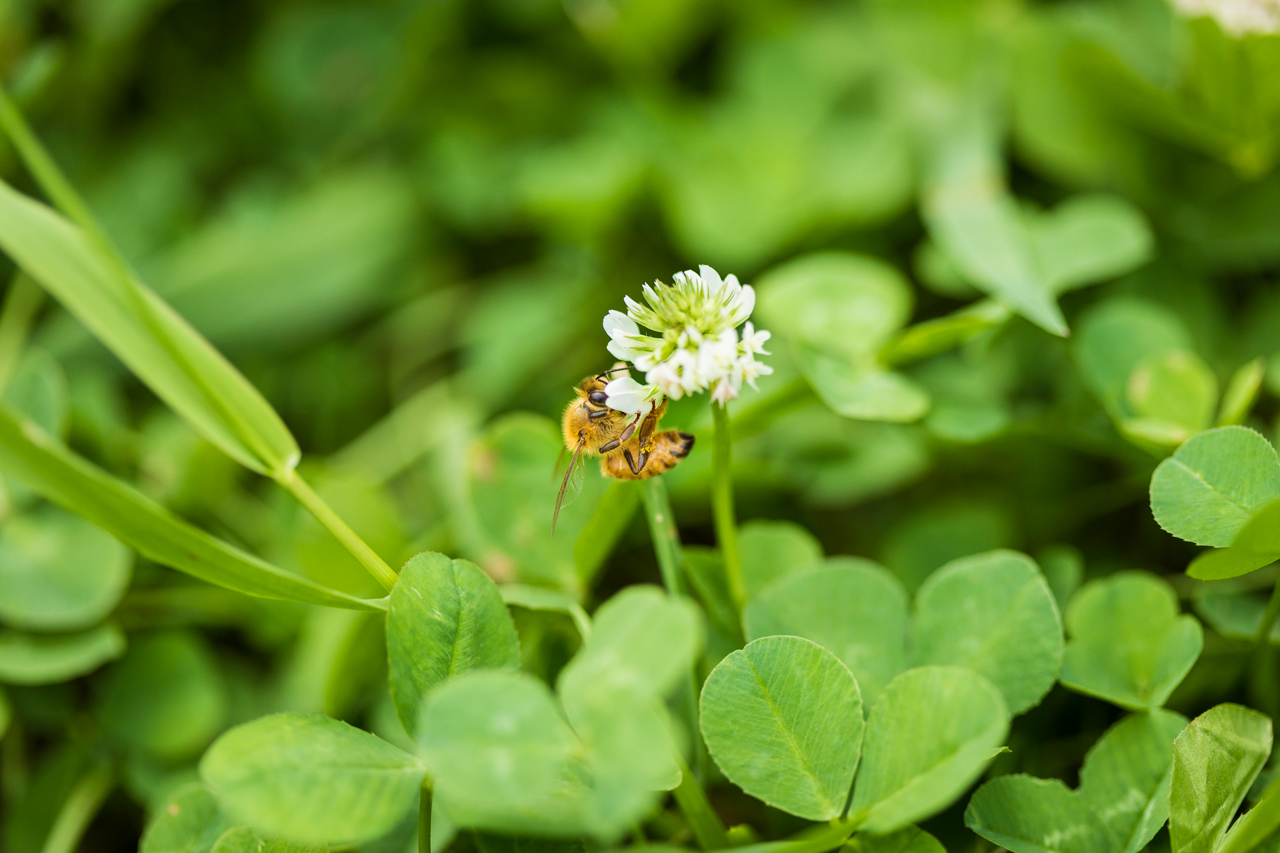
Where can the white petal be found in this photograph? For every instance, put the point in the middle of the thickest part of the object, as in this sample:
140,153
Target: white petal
625,395
616,323
710,280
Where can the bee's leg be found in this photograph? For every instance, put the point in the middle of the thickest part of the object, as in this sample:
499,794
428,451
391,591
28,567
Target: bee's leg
635,469
646,440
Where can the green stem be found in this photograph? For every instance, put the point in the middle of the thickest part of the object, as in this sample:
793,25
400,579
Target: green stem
696,808
21,301
666,546
1269,616
662,529
722,506
819,839
79,809
424,818
45,170
360,549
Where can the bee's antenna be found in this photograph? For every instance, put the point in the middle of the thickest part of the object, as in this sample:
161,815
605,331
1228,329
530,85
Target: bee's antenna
611,370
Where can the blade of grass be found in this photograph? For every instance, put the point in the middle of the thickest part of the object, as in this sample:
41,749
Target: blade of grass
79,809
81,487
21,302
84,271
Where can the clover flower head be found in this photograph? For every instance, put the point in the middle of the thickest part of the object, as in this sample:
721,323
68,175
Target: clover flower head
1237,18
697,347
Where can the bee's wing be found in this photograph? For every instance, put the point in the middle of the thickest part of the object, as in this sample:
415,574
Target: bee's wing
572,485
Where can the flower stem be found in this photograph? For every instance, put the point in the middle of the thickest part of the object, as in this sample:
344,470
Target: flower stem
360,549
662,529
696,808
424,817
817,839
690,796
722,507
1269,617
21,302
79,809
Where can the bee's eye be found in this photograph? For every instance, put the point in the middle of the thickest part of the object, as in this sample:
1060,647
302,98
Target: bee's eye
598,397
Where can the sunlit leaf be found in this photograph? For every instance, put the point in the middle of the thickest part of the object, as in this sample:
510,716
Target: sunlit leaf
1215,760
152,339
188,821
992,613
772,549
446,618
851,607
1128,643
51,658
140,523
1211,485
311,778
783,720
59,572
928,738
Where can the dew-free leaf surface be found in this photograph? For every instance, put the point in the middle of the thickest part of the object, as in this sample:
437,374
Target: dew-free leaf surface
849,606
642,639
52,658
187,821
78,485
992,613
1207,491
1122,801
446,617
1215,760
166,697
59,572
772,549
1127,642
1125,777
242,839
500,754
311,778
928,737
782,718
1028,815
154,341
910,840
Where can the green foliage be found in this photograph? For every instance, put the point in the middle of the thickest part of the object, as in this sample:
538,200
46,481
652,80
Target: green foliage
783,720
59,573
1016,264
53,658
311,778
928,737
179,718
852,607
1215,760
994,614
446,618
1127,642
1122,801
1207,491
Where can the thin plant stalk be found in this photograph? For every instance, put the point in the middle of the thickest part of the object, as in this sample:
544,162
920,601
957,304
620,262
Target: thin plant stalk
722,506
360,549
65,198
424,817
692,799
666,546
79,809
21,302
1269,617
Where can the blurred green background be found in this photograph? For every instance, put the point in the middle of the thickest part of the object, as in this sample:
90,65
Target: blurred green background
404,222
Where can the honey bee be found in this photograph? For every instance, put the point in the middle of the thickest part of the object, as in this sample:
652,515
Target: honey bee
629,446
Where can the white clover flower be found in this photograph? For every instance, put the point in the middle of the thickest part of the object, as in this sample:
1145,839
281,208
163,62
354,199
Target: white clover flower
697,348
1238,18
